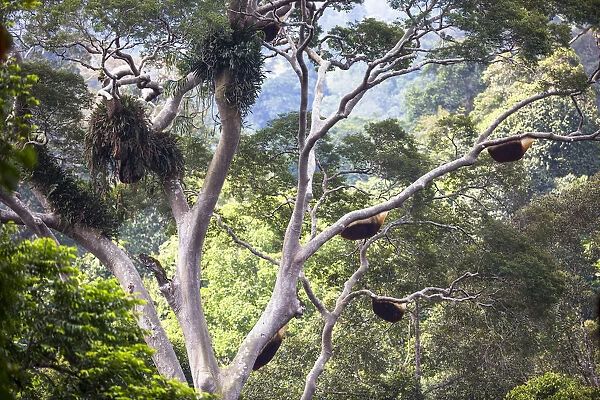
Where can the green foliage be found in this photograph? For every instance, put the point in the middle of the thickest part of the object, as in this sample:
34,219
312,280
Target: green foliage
452,88
565,217
14,127
8,6
538,276
533,272
58,115
265,159
68,21
528,27
552,386
546,160
238,54
264,169
544,290
74,199
384,150
367,40
66,338
498,189
120,135
507,24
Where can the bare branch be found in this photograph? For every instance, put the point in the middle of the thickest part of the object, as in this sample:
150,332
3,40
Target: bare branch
466,160
31,220
331,319
312,296
49,219
447,294
580,34
171,107
244,244
516,107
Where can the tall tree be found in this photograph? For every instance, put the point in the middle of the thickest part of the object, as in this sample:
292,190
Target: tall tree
217,47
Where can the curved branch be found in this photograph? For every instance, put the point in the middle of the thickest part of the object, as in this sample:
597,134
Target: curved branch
467,159
244,244
171,107
331,319
347,296
516,107
31,220
312,296
429,293
192,231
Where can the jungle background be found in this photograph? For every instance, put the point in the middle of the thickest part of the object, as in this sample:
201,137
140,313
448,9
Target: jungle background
529,230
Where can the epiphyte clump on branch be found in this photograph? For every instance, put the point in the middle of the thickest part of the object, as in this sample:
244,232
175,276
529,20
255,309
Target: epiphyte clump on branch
510,151
364,228
72,198
120,140
268,352
387,310
237,52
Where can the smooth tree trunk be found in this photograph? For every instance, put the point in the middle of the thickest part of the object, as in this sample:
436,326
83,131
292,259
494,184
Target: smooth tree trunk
192,231
123,269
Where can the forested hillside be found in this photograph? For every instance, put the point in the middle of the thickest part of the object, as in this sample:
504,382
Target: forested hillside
286,199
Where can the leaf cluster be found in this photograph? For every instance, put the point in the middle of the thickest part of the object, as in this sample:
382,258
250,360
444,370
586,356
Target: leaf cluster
119,133
61,95
67,338
531,28
366,40
15,127
72,198
239,53
386,150
508,24
547,160
452,88
553,386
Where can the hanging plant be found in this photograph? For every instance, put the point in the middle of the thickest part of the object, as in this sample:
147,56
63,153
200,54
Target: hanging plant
239,52
72,198
120,142
163,156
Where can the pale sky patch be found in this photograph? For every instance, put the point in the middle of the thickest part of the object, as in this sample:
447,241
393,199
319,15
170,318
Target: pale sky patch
380,9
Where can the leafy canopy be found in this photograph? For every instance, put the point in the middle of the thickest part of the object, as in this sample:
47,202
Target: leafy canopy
68,337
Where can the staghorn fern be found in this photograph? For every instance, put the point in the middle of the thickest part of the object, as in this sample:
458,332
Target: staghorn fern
121,143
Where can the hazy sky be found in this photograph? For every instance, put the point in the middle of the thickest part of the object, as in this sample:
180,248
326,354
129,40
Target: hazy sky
379,9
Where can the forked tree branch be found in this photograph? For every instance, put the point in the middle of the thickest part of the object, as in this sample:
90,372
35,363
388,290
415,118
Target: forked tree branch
171,107
331,318
467,159
243,243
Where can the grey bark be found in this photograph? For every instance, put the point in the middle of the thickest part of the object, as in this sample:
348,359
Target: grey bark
192,224
123,269
205,371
